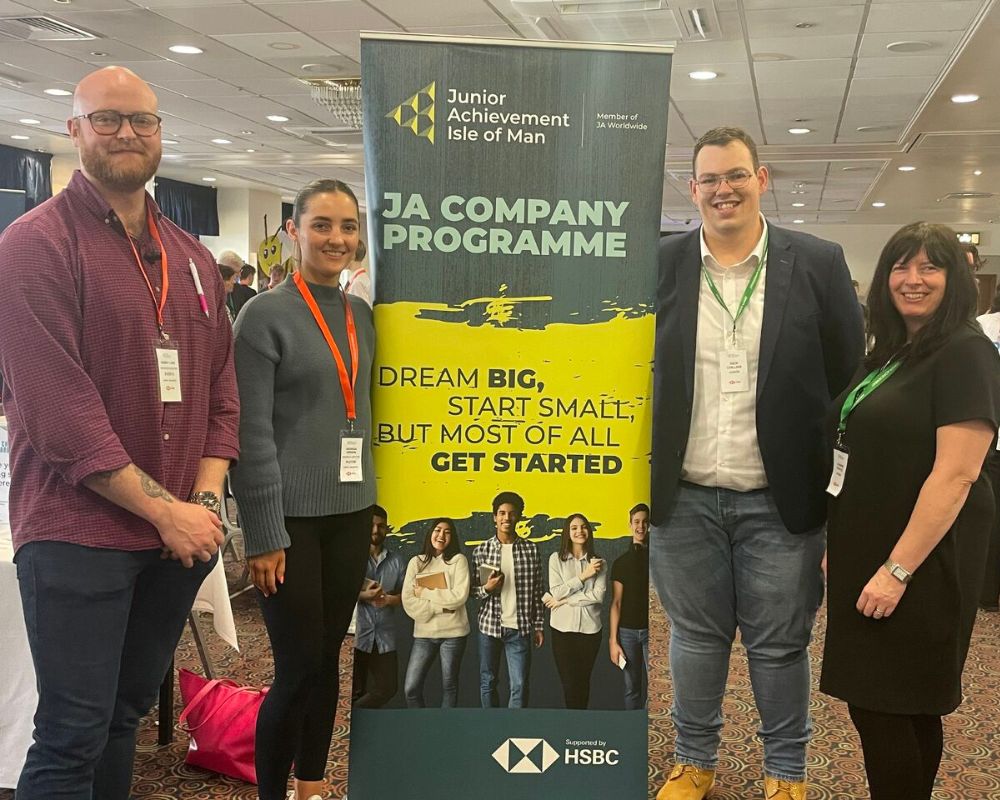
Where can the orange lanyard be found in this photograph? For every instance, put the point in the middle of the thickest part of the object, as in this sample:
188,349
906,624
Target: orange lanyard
163,269
346,386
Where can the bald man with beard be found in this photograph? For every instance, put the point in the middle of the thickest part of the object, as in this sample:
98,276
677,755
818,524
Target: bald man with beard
123,414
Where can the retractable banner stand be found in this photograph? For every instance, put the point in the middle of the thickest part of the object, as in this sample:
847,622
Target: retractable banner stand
513,197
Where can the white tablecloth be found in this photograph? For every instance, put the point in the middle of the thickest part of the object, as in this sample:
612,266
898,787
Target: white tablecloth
17,684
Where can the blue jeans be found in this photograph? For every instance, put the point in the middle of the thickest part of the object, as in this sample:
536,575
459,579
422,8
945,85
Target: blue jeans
517,648
422,657
102,626
723,560
634,642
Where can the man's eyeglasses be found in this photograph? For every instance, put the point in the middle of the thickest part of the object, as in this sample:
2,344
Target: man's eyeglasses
108,123
736,179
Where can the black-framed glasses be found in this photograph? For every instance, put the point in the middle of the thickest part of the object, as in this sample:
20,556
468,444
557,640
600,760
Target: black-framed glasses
736,179
108,123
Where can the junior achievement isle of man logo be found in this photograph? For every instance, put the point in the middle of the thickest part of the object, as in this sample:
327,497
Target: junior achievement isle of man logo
417,113
525,756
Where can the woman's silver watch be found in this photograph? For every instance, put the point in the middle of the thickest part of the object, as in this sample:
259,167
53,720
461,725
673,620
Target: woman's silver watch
898,571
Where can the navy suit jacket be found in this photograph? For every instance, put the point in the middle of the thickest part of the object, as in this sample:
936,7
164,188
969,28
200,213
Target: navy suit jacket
810,346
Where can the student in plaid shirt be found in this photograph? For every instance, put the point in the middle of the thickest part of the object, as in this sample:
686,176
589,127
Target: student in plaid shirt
510,604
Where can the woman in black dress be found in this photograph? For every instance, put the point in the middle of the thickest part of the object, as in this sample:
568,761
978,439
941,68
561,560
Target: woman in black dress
911,501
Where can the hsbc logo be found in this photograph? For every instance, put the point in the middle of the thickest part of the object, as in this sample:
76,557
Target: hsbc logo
534,756
525,756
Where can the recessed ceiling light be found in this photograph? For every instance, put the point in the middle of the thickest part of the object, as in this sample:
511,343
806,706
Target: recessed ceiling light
185,49
283,46
29,121
169,141
909,46
20,137
798,221
246,133
805,25
99,54
878,204
277,118
58,92
977,172
799,131
797,191
798,205
208,180
906,168
703,75
251,150
964,98
171,155
221,141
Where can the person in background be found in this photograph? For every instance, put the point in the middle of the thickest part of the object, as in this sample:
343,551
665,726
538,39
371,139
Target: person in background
359,282
911,509
440,619
243,292
375,659
510,604
578,582
278,273
757,328
628,619
122,413
989,599
229,276
305,483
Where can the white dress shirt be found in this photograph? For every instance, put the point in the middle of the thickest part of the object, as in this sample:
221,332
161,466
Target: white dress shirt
722,447
581,612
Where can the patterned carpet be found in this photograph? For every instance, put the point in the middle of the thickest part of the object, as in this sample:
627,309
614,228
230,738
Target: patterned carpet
970,768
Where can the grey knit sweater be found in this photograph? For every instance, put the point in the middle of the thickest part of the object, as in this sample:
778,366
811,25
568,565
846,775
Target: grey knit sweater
292,412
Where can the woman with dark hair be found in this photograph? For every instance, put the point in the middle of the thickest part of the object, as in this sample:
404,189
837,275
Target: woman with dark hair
435,589
577,585
305,481
910,514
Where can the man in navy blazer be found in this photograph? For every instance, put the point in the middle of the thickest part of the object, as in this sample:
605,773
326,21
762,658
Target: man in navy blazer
757,329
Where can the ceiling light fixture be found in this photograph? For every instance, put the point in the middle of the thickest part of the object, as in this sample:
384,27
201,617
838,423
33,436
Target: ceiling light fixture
798,205
909,46
246,133
283,46
805,25
878,204
798,221
28,121
58,92
340,96
977,172
703,75
221,141
875,128
277,118
799,131
185,49
20,137
168,141
251,150
171,155
208,180
964,98
906,168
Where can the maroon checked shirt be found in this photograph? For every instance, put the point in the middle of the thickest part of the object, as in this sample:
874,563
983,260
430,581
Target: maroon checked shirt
78,333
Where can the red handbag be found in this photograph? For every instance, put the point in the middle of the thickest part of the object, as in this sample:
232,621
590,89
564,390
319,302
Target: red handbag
221,717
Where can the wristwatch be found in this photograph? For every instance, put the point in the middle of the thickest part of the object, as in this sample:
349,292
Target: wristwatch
208,499
898,571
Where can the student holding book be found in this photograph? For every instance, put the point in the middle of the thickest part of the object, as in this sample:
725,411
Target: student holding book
435,590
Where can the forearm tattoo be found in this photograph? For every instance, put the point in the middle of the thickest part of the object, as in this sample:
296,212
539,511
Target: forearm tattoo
151,487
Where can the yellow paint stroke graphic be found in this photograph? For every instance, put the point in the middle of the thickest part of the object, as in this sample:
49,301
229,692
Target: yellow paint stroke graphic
561,415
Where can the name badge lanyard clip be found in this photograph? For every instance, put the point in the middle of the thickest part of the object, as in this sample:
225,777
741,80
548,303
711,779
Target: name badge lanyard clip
350,440
747,293
854,398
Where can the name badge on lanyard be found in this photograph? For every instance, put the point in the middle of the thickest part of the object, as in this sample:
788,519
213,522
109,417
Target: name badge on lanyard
735,372
351,450
840,456
169,367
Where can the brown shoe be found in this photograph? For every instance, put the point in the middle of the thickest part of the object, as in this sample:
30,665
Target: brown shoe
687,782
777,789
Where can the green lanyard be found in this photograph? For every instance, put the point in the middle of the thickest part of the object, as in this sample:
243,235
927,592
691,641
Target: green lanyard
747,293
873,380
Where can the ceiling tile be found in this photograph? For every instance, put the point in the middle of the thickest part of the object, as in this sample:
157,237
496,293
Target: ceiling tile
223,18
329,15
826,20
802,71
807,47
900,66
946,15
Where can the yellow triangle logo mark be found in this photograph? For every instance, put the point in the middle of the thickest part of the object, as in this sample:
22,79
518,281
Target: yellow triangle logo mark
408,113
